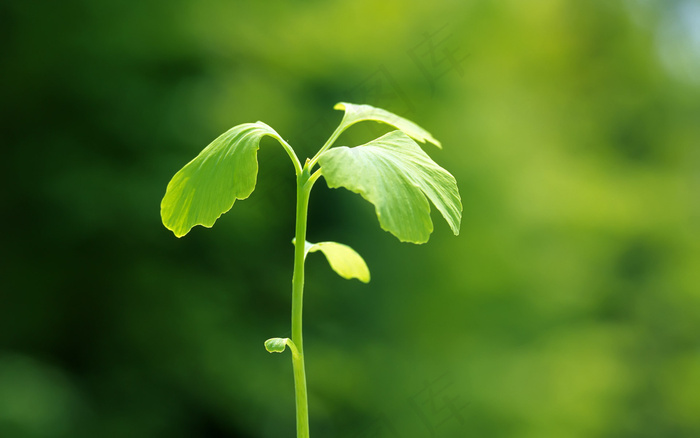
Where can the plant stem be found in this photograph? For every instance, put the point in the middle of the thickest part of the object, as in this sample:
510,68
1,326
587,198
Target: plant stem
334,136
302,404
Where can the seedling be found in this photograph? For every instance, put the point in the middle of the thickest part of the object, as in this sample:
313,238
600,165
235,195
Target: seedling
392,172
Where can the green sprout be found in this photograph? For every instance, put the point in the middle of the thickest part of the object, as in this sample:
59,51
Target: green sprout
392,172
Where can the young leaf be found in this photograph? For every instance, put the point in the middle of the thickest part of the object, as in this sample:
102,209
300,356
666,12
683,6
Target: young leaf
208,185
393,173
357,113
344,260
276,345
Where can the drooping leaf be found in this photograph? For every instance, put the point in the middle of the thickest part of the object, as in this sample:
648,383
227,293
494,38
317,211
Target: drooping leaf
276,345
208,185
398,177
344,260
357,113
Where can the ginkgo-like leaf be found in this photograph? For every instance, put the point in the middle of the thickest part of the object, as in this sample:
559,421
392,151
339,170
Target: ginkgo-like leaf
398,177
208,185
344,260
357,113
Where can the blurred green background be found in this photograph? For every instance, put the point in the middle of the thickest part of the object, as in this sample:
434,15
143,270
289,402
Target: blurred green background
569,305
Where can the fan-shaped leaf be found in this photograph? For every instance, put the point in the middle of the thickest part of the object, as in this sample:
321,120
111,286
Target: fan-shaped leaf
344,260
208,185
357,113
396,175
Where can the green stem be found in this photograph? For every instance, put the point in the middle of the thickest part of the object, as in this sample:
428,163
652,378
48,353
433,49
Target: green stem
304,183
292,155
334,136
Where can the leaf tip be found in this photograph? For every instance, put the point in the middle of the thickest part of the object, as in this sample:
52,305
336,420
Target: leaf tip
177,232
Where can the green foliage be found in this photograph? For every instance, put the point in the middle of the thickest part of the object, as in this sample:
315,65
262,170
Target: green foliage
392,172
276,345
344,260
358,113
208,185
